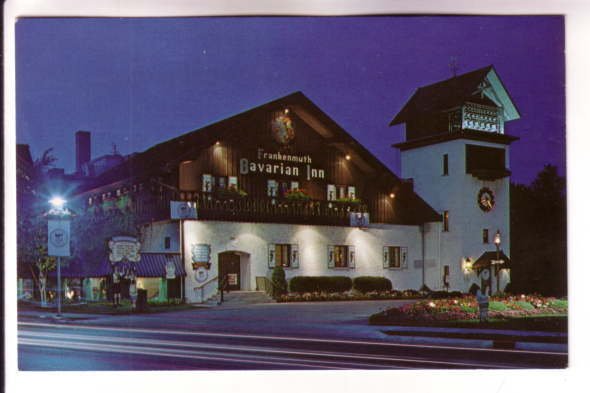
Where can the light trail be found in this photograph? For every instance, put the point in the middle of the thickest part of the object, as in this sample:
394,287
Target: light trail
286,338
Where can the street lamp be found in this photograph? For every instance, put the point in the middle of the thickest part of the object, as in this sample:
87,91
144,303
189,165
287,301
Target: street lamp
497,242
58,238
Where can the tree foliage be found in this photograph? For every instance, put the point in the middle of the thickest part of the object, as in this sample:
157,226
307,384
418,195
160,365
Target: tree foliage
539,234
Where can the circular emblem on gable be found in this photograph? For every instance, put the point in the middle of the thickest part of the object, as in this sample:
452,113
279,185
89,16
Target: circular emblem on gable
485,199
58,237
485,274
283,130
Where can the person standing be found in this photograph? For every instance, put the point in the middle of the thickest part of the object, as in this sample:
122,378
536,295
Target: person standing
133,293
116,288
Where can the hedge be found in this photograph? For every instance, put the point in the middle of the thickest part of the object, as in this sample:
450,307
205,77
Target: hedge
366,284
329,284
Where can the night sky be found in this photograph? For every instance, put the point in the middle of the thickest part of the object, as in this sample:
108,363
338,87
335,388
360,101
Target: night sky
138,82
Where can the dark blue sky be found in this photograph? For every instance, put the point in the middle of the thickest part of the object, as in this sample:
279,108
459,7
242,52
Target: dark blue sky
137,82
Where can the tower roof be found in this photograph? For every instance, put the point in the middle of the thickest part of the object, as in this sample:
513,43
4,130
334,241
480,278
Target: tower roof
452,92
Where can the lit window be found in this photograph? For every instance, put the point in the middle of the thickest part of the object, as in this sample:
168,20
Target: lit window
340,256
351,192
207,183
395,257
446,221
272,188
285,255
167,242
331,195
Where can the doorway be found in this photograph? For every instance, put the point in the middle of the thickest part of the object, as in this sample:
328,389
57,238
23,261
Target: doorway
229,265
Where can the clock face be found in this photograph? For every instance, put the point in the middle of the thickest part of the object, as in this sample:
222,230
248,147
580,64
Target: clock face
485,274
485,199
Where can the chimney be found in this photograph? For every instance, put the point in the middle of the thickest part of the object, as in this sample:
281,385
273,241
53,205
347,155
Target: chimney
82,149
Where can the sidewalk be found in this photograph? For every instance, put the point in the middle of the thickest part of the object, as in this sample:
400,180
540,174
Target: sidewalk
479,338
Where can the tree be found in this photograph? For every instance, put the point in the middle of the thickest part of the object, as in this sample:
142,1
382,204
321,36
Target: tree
539,234
32,225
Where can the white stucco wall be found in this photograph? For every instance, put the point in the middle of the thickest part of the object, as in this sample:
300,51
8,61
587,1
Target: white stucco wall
457,192
251,241
153,237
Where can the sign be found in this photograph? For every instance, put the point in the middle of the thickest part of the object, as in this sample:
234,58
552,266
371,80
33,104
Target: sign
359,219
180,210
124,248
232,279
201,253
170,270
58,238
201,274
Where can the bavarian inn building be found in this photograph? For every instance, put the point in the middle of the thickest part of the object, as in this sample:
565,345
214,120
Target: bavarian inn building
284,184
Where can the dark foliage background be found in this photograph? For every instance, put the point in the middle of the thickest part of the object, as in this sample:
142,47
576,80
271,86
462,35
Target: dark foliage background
538,215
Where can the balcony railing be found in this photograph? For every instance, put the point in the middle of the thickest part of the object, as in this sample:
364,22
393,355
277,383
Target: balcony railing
279,210
146,208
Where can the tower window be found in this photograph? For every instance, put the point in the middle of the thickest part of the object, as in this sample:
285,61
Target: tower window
446,221
167,242
486,236
445,164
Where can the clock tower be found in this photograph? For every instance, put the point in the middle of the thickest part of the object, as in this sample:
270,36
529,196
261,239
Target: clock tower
456,153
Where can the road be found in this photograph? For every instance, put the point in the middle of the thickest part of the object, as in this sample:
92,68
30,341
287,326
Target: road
262,337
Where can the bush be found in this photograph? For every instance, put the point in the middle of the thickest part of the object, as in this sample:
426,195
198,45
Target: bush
329,284
279,282
473,289
498,306
366,284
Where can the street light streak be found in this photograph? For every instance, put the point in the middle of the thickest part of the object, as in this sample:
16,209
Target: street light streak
295,339
178,353
257,349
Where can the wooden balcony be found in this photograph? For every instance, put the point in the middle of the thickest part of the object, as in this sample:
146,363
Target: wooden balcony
148,207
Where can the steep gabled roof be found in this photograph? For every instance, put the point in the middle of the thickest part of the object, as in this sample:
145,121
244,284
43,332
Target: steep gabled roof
166,156
457,90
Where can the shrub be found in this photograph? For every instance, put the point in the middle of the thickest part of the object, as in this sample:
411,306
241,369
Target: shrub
329,284
279,282
525,305
498,306
559,303
473,289
366,284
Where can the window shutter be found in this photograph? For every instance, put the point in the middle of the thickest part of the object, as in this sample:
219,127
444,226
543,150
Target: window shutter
404,257
385,257
351,257
271,256
294,256
330,257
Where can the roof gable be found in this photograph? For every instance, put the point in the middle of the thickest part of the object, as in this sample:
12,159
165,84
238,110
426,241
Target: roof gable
453,92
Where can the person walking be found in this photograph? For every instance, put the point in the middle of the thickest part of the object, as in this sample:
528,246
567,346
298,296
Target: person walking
116,288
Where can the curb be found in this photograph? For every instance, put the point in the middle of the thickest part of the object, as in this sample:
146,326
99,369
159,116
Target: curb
476,343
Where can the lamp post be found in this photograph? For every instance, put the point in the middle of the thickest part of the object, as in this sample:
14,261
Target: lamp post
497,242
58,238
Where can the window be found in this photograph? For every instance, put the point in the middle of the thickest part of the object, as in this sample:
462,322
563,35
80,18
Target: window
340,256
351,192
207,183
232,182
445,164
221,182
486,236
446,221
331,196
272,188
294,185
395,257
167,242
285,255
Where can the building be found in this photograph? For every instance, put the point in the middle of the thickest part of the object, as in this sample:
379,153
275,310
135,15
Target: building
284,184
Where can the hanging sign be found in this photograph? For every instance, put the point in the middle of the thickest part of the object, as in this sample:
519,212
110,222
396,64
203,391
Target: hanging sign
58,238
124,248
180,210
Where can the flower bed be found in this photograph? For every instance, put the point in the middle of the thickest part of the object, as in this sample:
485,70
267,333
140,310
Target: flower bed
465,308
352,295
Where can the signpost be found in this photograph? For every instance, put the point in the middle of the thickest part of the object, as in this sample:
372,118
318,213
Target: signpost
58,238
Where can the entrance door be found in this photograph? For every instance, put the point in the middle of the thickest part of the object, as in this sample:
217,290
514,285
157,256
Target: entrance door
229,265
